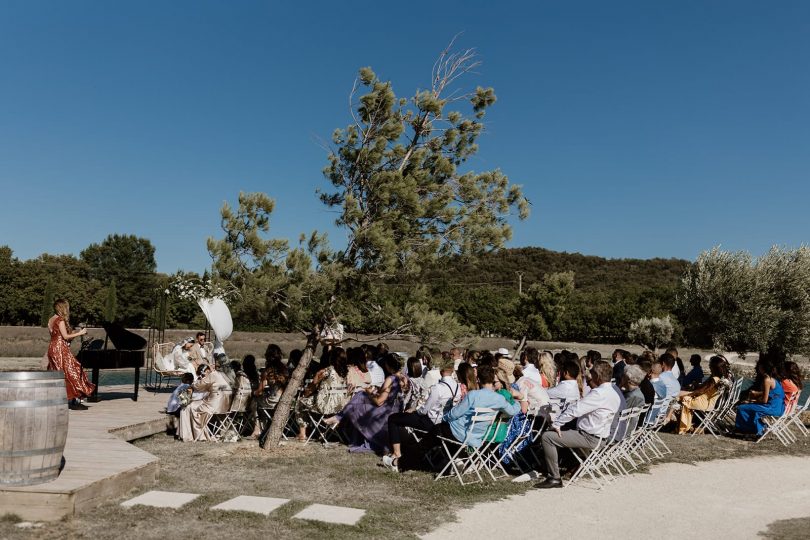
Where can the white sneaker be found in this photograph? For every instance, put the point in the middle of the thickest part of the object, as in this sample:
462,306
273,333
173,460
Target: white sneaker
388,462
528,477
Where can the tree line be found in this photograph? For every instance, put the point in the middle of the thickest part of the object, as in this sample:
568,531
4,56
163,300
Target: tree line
596,301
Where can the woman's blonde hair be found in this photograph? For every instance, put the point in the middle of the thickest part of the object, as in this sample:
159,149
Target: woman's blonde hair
548,368
62,308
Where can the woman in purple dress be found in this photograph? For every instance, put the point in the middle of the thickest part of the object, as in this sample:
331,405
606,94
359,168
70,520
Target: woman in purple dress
367,412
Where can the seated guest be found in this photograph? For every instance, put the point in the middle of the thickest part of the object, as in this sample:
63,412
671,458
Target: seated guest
457,422
252,374
195,417
373,364
367,412
655,379
181,356
534,392
505,383
646,386
326,394
198,350
417,389
633,375
358,377
466,378
766,398
567,390
695,375
677,366
530,364
548,369
705,395
443,396
430,372
791,377
273,379
620,357
594,415
181,397
667,376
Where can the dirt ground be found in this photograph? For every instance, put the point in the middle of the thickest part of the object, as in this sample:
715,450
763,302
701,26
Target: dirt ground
398,506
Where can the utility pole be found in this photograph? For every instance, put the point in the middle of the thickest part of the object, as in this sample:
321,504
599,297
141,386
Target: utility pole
520,282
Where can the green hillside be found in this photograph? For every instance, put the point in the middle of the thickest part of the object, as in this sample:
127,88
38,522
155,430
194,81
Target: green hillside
609,293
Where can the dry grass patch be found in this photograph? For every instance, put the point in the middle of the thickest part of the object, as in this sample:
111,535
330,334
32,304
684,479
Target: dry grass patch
308,474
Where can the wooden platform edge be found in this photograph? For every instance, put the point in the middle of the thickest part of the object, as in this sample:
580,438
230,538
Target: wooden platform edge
52,506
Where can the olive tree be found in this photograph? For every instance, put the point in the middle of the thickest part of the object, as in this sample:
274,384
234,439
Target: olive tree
732,301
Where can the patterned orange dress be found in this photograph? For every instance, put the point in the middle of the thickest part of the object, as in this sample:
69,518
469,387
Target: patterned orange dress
61,359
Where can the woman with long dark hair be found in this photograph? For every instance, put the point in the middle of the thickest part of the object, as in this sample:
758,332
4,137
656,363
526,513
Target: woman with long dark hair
767,399
368,411
61,359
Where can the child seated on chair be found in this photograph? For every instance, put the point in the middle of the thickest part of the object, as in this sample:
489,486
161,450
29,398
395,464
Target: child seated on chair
181,396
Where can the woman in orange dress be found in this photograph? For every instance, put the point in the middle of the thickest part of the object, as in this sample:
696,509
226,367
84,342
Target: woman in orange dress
791,377
61,359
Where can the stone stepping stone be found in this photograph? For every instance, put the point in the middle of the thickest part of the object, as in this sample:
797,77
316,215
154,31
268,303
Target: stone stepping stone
247,503
331,514
162,499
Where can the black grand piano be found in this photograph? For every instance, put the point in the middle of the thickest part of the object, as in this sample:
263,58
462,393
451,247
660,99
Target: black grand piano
129,352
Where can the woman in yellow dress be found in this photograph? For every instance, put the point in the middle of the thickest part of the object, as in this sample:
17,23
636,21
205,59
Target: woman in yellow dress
705,395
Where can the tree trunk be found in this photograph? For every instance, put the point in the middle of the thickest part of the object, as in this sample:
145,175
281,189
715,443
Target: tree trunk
282,413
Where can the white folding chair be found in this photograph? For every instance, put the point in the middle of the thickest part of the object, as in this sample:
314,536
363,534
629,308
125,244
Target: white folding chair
707,419
795,418
462,457
320,429
777,425
220,425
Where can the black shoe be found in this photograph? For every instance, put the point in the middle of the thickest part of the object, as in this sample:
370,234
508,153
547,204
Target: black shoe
549,483
78,406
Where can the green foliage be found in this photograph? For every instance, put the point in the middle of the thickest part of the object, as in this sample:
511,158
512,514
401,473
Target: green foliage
652,332
397,180
130,261
542,307
111,303
47,303
735,302
609,295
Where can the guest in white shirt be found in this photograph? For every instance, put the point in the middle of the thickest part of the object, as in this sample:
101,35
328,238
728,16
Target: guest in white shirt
530,363
443,396
594,414
567,390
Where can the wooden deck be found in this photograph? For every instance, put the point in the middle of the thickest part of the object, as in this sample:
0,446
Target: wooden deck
99,462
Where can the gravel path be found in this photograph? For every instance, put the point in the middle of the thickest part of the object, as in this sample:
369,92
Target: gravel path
733,498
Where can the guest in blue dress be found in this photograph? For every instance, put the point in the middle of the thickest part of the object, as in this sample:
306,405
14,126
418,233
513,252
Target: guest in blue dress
767,398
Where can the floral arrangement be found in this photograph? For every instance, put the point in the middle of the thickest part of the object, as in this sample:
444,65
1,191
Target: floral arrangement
185,397
193,288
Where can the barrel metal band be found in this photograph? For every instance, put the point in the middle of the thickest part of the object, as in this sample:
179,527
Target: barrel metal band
26,481
29,453
32,403
56,383
31,375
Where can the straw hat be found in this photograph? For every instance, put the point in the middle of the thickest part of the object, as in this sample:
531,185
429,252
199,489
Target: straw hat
505,372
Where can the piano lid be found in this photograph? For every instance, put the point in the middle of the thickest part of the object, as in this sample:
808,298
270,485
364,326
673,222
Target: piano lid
122,339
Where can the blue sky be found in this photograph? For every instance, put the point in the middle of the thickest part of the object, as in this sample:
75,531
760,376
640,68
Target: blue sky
638,129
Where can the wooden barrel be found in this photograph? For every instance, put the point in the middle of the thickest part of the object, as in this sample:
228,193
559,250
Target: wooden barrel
33,426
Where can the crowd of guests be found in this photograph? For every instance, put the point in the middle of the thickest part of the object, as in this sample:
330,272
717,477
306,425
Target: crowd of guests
401,407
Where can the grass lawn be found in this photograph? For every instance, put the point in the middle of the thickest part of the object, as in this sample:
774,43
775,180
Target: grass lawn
398,506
